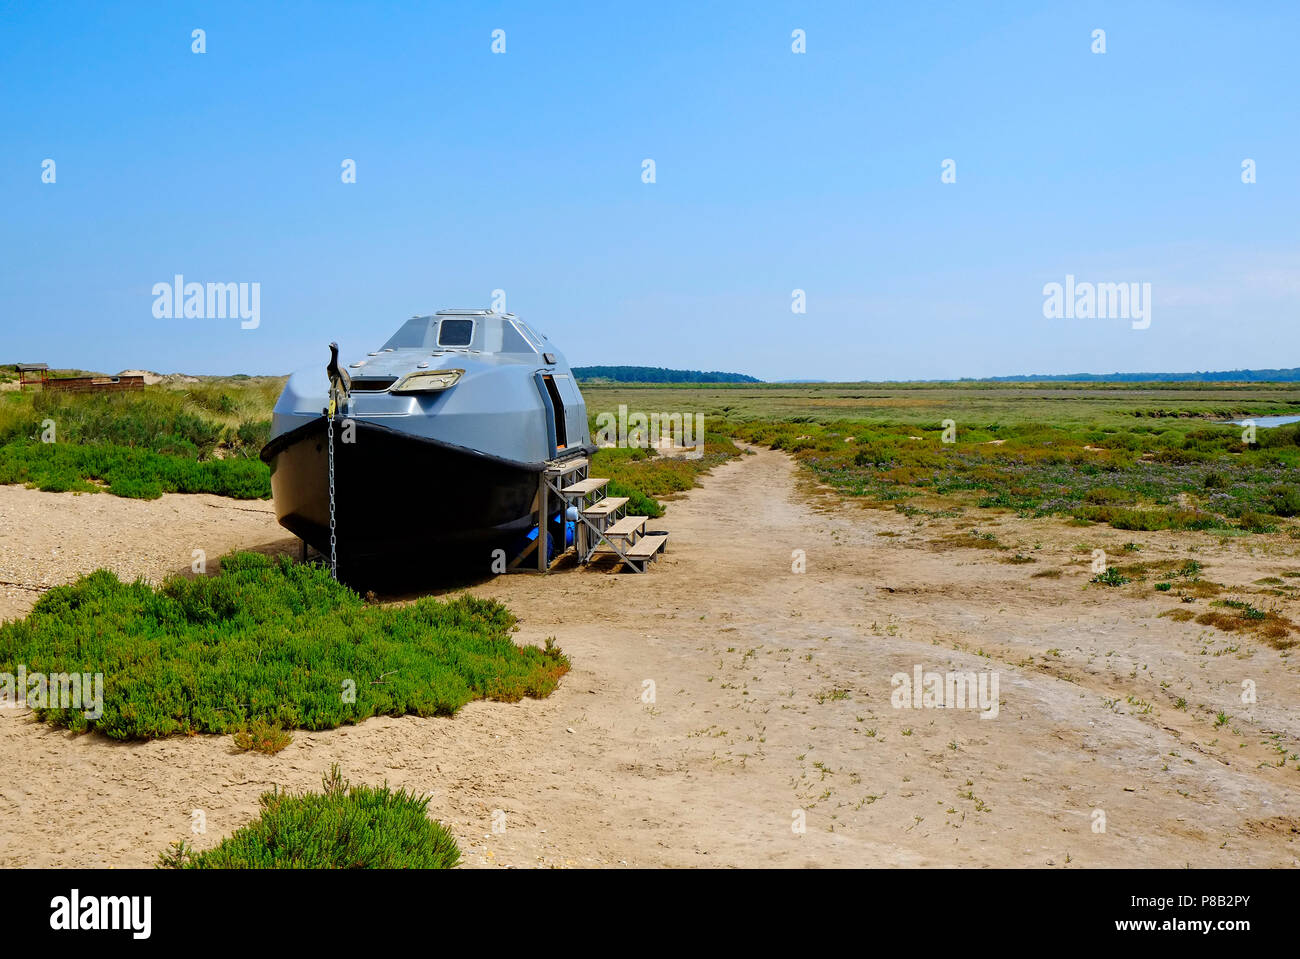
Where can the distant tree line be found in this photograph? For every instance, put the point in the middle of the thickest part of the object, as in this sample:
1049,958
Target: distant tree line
657,374
1223,376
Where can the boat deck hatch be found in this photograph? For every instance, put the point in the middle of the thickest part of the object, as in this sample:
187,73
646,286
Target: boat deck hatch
375,385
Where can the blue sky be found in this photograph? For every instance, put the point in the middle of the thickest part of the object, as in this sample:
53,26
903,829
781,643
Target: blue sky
775,171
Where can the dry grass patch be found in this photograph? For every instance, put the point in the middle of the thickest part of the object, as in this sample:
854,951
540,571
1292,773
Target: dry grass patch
1200,589
262,737
970,539
1236,616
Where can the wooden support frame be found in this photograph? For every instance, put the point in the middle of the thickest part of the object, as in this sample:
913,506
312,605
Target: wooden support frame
550,484
555,490
543,525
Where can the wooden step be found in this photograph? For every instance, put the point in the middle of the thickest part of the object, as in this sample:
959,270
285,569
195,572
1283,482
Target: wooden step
584,487
604,507
627,526
568,466
646,546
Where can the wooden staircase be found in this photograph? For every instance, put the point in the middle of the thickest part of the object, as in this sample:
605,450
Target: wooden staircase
603,524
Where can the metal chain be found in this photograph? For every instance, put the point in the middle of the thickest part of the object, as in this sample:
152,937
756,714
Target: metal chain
329,426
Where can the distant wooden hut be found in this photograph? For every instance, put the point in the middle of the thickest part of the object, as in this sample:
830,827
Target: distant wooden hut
33,374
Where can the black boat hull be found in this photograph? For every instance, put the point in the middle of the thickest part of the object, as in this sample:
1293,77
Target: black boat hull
399,497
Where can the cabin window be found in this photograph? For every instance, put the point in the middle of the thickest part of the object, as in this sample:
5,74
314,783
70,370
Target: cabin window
456,333
532,334
512,341
413,335
534,344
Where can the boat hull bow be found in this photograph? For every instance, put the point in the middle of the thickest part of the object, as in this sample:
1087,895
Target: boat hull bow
397,495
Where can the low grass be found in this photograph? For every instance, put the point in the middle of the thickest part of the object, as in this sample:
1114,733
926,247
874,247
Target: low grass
1144,477
972,539
343,827
1071,405
1141,457
130,472
200,439
1199,589
1165,569
268,641
644,475
1232,616
226,417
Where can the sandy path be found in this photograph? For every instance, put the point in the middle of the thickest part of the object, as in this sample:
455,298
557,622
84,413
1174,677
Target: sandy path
772,695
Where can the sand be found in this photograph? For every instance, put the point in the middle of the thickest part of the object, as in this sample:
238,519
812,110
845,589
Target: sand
771,701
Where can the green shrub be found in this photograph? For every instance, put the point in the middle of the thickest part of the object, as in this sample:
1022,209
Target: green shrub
1280,437
141,444
638,504
1111,577
1284,501
1109,494
642,474
135,486
261,736
1128,478
344,827
271,641
252,436
135,473
1148,520
1253,522
142,420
